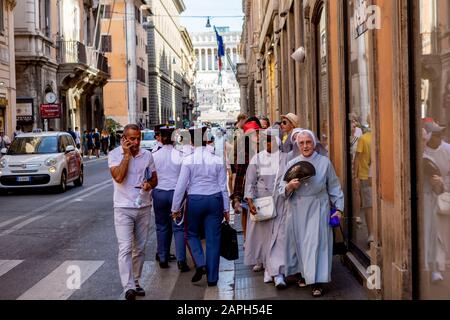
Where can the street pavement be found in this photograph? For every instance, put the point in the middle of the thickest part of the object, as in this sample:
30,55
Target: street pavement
48,239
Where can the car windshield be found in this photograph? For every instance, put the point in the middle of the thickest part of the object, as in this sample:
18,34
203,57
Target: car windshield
148,136
33,145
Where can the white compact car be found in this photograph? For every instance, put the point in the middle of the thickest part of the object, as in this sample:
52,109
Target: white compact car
41,160
148,140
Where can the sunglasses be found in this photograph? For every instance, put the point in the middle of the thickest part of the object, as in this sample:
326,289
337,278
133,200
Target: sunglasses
285,122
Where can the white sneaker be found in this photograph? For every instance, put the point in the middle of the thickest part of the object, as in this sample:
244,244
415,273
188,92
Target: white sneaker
437,276
267,278
258,268
279,282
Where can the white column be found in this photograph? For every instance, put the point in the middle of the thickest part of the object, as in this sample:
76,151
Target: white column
213,60
200,57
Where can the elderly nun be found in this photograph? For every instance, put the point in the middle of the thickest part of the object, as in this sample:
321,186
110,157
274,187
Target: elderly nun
309,237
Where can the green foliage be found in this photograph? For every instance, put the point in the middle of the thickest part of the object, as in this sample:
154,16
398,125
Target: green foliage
112,125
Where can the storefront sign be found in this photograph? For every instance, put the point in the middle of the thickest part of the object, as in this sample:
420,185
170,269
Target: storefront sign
50,111
24,111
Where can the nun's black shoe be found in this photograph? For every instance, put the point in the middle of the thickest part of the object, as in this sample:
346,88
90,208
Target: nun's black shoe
199,272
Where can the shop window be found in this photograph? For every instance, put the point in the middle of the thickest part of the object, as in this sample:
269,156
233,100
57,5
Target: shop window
433,148
360,90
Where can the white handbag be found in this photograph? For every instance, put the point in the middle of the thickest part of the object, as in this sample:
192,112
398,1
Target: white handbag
265,206
443,201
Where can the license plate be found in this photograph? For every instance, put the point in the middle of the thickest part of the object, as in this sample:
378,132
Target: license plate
23,179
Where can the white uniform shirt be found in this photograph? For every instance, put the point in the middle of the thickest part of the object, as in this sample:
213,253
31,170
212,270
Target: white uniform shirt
168,162
158,146
126,193
202,173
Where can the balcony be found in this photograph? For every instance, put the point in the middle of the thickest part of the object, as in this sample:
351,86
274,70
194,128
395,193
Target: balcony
80,66
75,52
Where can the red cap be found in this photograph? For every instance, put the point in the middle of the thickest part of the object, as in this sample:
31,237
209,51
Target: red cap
253,125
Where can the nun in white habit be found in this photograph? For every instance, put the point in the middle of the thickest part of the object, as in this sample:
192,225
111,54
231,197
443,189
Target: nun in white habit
309,237
261,182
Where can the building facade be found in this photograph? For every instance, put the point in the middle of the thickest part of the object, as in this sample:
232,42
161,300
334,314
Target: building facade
165,62
124,41
188,75
374,72
58,64
218,93
7,68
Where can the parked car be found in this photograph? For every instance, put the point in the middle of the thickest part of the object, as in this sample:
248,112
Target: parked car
148,140
41,160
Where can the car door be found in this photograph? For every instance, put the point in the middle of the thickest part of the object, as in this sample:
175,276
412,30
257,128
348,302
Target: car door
71,158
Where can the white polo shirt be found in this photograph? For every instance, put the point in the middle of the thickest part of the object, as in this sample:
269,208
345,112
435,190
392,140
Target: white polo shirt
126,193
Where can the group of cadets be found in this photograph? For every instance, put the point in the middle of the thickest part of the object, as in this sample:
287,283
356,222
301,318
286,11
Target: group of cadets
190,202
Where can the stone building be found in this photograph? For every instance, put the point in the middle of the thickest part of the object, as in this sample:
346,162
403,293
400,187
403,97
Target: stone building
189,72
59,63
378,69
7,68
165,62
124,41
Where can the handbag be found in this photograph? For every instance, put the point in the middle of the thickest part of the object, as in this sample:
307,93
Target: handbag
265,206
339,242
443,202
229,242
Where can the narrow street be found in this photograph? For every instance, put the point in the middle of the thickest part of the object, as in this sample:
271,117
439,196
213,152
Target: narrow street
44,235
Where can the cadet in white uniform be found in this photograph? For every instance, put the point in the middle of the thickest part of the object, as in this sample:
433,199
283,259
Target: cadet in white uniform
203,176
168,165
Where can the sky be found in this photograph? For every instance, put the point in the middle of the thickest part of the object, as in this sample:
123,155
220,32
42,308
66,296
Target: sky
212,8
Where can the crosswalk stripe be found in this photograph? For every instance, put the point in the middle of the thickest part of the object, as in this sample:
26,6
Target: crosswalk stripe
10,221
20,225
7,265
62,282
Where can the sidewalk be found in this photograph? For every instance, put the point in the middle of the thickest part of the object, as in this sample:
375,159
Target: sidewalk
249,285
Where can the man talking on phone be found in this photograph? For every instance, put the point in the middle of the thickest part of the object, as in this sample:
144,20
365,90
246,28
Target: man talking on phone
134,173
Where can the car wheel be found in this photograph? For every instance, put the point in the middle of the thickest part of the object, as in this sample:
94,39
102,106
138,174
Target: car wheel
63,184
80,180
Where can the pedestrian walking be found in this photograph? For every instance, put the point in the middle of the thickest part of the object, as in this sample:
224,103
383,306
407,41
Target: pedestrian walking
78,138
134,173
309,236
97,142
90,142
17,132
168,166
204,179
104,140
260,183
